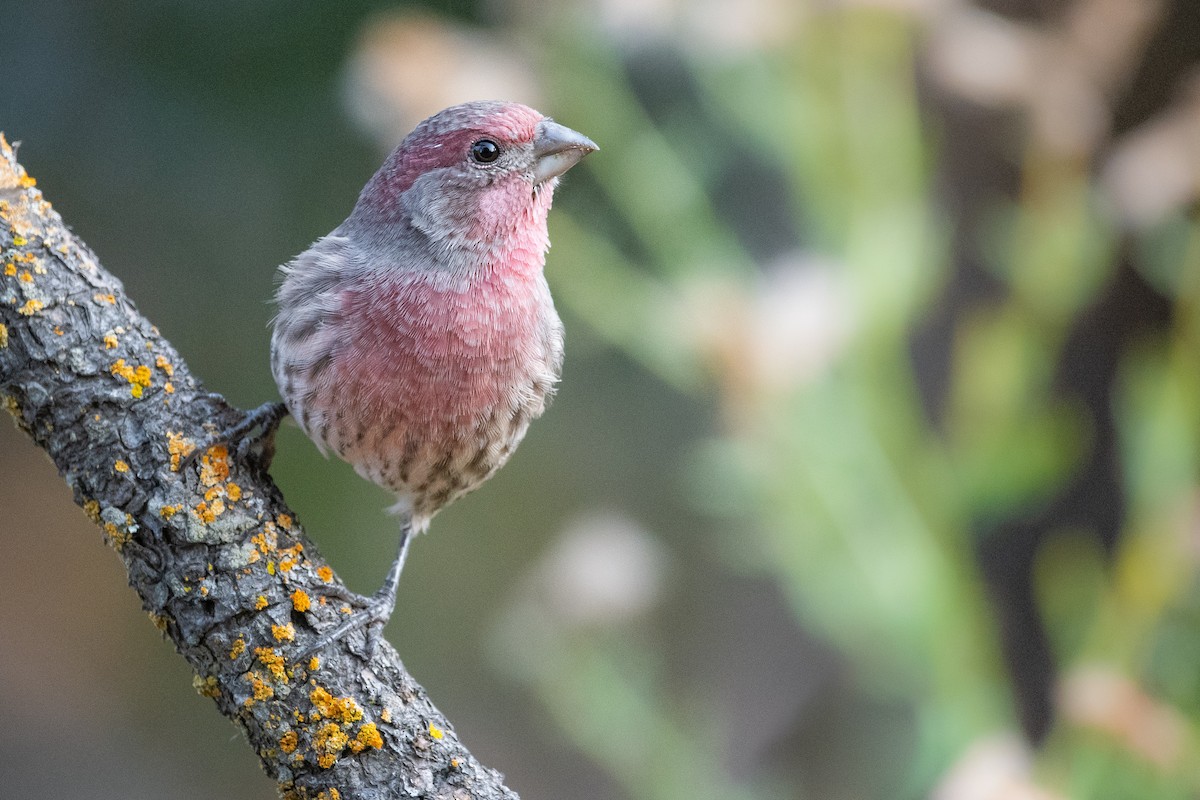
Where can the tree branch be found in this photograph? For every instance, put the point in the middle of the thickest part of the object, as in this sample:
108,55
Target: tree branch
213,551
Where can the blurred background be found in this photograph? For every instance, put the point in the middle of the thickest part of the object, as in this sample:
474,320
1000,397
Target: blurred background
873,472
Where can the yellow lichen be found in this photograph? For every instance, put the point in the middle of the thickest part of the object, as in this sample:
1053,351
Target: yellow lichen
260,688
285,521
270,567
368,736
386,714
10,269
288,742
233,492
120,466
31,307
92,509
314,664
284,633
3,336
166,512
339,708
179,448
19,241
435,731
166,366
26,276
139,377
117,538
261,602
27,182
169,388
105,298
110,342
239,647
274,662
329,741
325,573
206,686
301,601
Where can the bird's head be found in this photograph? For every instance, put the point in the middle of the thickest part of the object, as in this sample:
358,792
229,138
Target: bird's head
474,173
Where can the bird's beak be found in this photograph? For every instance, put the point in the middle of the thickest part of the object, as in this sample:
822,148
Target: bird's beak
556,149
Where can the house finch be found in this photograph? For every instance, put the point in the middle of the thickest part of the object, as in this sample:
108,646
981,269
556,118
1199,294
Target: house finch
418,339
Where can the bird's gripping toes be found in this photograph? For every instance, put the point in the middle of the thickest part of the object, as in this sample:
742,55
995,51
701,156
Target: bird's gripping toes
418,339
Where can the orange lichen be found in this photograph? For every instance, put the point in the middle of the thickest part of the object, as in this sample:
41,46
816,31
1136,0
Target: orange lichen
233,492
166,512
31,307
10,269
285,521
368,736
105,298
301,601
274,662
239,647
314,664
329,741
284,633
339,708
110,342
435,731
261,602
288,742
139,377
214,466
120,466
325,573
159,621
386,714
26,276
27,182
204,513
179,448
3,336
169,388
259,688
166,366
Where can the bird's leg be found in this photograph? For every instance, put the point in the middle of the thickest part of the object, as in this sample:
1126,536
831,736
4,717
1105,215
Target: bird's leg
267,416
377,610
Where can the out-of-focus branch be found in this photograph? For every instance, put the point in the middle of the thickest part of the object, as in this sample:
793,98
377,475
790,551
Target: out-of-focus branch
217,558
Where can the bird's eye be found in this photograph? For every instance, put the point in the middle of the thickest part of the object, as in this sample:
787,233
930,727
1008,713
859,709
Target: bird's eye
485,151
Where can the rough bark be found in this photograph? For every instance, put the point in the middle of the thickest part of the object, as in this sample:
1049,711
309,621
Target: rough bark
220,564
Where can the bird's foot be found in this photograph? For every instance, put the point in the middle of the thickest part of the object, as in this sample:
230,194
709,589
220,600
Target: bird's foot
238,438
372,613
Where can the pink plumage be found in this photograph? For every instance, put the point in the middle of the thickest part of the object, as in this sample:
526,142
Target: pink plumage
418,340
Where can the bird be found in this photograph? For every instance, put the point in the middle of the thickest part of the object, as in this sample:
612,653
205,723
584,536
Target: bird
418,339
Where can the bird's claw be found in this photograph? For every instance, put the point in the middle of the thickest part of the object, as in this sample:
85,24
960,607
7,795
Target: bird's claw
372,615
268,416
